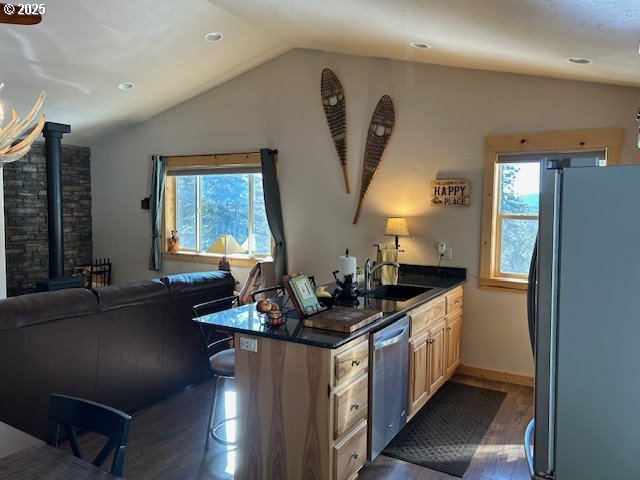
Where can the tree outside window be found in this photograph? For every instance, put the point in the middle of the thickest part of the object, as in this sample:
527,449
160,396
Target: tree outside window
208,206
517,216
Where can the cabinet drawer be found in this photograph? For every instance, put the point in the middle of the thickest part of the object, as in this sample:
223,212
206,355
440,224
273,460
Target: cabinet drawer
423,315
351,406
350,454
454,300
351,363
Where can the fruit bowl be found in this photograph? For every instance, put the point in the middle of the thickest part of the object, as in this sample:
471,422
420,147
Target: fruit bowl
269,313
273,319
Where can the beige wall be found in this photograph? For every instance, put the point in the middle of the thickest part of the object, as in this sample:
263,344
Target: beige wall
442,116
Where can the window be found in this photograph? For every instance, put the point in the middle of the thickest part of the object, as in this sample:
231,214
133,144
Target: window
510,203
212,196
516,217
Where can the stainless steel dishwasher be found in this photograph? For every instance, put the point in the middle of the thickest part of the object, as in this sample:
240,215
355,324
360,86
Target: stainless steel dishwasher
388,384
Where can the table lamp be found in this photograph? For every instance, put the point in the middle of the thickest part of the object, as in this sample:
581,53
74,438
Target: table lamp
225,244
397,227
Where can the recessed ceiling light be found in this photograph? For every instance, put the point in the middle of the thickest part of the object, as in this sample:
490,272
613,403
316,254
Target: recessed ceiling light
580,60
126,86
421,45
213,37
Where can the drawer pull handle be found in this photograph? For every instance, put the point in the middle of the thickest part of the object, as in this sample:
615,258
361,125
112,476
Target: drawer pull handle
355,455
448,328
355,363
355,406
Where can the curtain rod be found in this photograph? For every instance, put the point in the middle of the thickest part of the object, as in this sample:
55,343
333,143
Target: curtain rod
274,151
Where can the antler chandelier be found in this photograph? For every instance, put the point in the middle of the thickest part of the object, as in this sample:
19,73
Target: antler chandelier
14,130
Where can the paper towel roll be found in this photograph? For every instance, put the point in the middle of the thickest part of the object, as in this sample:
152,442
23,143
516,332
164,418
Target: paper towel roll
347,266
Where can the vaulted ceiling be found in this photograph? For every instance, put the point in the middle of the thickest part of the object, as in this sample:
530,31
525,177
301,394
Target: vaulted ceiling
83,49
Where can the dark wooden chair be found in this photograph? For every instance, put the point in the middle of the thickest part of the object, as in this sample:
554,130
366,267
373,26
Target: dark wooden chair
221,359
76,413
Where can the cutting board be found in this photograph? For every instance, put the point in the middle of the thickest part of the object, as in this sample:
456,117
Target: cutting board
342,319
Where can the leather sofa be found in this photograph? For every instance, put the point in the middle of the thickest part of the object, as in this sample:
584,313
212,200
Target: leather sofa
123,345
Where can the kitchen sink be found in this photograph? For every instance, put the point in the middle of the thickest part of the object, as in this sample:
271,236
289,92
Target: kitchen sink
399,293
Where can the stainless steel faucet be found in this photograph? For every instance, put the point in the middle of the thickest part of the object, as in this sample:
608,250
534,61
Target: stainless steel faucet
368,271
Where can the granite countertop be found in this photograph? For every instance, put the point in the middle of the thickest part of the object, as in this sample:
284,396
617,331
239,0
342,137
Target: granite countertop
245,319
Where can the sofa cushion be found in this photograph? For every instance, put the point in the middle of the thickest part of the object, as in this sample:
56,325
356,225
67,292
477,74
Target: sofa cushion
187,283
25,310
119,296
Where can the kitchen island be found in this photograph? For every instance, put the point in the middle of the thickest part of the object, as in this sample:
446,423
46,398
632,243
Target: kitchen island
303,393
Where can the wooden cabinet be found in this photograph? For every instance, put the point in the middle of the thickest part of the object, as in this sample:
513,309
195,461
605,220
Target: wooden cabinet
436,362
454,299
350,405
426,364
350,454
423,315
351,363
434,347
351,408
452,335
453,332
418,373
302,410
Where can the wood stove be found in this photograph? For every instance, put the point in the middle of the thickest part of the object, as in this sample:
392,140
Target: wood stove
53,133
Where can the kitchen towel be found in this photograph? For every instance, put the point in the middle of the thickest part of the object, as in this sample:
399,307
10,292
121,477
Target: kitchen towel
388,274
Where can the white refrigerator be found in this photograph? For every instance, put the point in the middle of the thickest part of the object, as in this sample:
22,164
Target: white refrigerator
585,320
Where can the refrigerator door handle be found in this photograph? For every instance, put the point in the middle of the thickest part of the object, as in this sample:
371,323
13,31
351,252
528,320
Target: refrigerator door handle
527,447
532,295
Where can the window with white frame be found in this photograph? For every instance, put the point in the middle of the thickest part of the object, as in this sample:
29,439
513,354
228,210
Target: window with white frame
207,202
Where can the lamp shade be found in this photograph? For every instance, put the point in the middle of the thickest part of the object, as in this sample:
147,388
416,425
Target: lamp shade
397,226
225,244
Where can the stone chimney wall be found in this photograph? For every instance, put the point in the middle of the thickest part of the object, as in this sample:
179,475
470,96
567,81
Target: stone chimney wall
25,197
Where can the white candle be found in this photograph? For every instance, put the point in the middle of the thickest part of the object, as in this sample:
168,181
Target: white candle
347,266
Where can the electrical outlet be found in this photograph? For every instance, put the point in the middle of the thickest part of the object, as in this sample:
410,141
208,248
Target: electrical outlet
249,344
448,254
445,252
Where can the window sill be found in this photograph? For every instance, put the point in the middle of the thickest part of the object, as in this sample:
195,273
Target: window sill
212,258
503,284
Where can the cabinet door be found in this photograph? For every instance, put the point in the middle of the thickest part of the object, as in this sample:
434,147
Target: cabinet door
421,316
454,299
452,335
436,358
418,374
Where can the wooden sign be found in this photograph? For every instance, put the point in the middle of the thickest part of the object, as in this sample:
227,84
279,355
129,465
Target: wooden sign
450,193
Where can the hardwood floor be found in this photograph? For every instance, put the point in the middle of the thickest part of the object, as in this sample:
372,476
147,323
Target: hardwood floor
500,456
167,441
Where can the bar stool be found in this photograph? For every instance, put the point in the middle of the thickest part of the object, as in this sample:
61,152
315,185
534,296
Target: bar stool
221,362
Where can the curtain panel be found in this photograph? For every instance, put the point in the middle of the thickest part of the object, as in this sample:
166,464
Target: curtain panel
157,197
273,209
